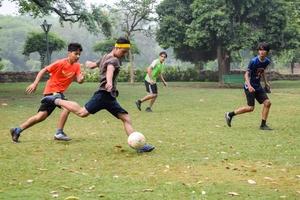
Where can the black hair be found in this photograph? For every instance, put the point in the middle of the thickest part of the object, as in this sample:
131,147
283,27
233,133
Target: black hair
122,40
163,53
74,47
263,46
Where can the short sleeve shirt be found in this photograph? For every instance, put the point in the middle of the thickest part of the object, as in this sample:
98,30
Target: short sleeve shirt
157,68
62,73
256,68
102,64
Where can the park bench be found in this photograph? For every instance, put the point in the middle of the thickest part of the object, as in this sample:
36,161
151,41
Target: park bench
230,79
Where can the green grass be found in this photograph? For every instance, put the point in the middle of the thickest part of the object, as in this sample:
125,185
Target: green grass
197,155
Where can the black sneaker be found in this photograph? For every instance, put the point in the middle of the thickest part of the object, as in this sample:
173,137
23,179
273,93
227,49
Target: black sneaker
265,128
138,104
62,136
146,148
148,109
228,119
51,98
14,135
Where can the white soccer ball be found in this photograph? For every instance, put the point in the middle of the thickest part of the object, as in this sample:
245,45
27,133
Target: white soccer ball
136,140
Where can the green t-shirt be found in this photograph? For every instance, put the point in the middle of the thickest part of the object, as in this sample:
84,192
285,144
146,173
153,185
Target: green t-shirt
157,68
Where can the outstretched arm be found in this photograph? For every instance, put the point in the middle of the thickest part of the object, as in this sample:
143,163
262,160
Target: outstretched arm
163,80
90,64
32,87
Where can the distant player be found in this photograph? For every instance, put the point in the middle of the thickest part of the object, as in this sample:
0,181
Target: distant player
62,73
154,71
253,88
105,97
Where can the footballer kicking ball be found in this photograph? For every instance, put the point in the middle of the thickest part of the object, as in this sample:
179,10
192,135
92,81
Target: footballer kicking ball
136,140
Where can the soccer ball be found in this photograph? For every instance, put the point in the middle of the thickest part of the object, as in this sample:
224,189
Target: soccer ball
136,140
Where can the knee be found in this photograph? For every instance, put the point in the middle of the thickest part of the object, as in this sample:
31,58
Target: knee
83,113
267,103
39,118
250,108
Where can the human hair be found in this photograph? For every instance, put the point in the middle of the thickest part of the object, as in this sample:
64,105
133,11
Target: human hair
122,40
74,47
263,46
163,53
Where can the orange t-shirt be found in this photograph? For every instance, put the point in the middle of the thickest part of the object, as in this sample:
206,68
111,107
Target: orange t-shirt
62,73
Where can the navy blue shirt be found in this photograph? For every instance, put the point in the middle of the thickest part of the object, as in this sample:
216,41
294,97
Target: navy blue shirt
255,69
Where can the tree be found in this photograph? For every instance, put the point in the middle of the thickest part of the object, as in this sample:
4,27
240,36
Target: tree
174,19
223,26
68,11
291,35
135,15
35,42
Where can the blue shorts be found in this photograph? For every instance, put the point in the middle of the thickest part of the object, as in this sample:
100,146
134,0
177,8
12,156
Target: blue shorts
104,100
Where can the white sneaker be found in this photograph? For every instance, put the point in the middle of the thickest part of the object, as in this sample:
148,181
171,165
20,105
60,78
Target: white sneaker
62,136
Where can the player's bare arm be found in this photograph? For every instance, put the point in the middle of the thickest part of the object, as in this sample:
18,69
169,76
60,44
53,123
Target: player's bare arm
32,87
109,77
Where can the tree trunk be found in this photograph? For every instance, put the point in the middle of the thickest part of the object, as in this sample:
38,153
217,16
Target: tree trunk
223,57
292,66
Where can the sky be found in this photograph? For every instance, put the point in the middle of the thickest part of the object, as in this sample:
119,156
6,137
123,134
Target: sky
9,8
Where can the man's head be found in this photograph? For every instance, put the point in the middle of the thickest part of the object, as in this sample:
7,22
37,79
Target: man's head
162,56
263,49
74,51
122,47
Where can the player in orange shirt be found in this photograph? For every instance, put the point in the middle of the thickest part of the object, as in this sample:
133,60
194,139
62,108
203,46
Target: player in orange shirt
62,73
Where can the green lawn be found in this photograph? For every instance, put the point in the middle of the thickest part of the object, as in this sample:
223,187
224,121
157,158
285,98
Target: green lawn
197,156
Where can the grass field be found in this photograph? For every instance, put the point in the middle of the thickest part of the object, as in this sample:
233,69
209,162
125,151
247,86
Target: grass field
197,156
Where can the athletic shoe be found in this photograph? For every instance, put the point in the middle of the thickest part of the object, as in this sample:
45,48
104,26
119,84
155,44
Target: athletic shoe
62,136
51,98
146,148
228,119
14,135
148,109
138,104
265,128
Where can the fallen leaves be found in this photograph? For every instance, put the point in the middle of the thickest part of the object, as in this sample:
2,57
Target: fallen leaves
252,182
233,194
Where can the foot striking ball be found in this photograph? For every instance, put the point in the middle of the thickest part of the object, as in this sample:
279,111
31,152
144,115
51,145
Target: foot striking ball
136,140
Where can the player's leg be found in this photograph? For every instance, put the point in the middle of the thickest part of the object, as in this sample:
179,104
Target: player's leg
154,92
73,107
250,96
149,96
40,116
262,98
115,109
60,134
125,118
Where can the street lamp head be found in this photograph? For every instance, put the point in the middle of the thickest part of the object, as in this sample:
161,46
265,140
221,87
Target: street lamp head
45,26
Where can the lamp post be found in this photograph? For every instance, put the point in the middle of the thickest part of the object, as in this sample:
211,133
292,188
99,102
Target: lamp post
46,28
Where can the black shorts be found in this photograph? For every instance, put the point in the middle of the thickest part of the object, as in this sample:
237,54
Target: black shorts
50,107
151,88
259,95
104,100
